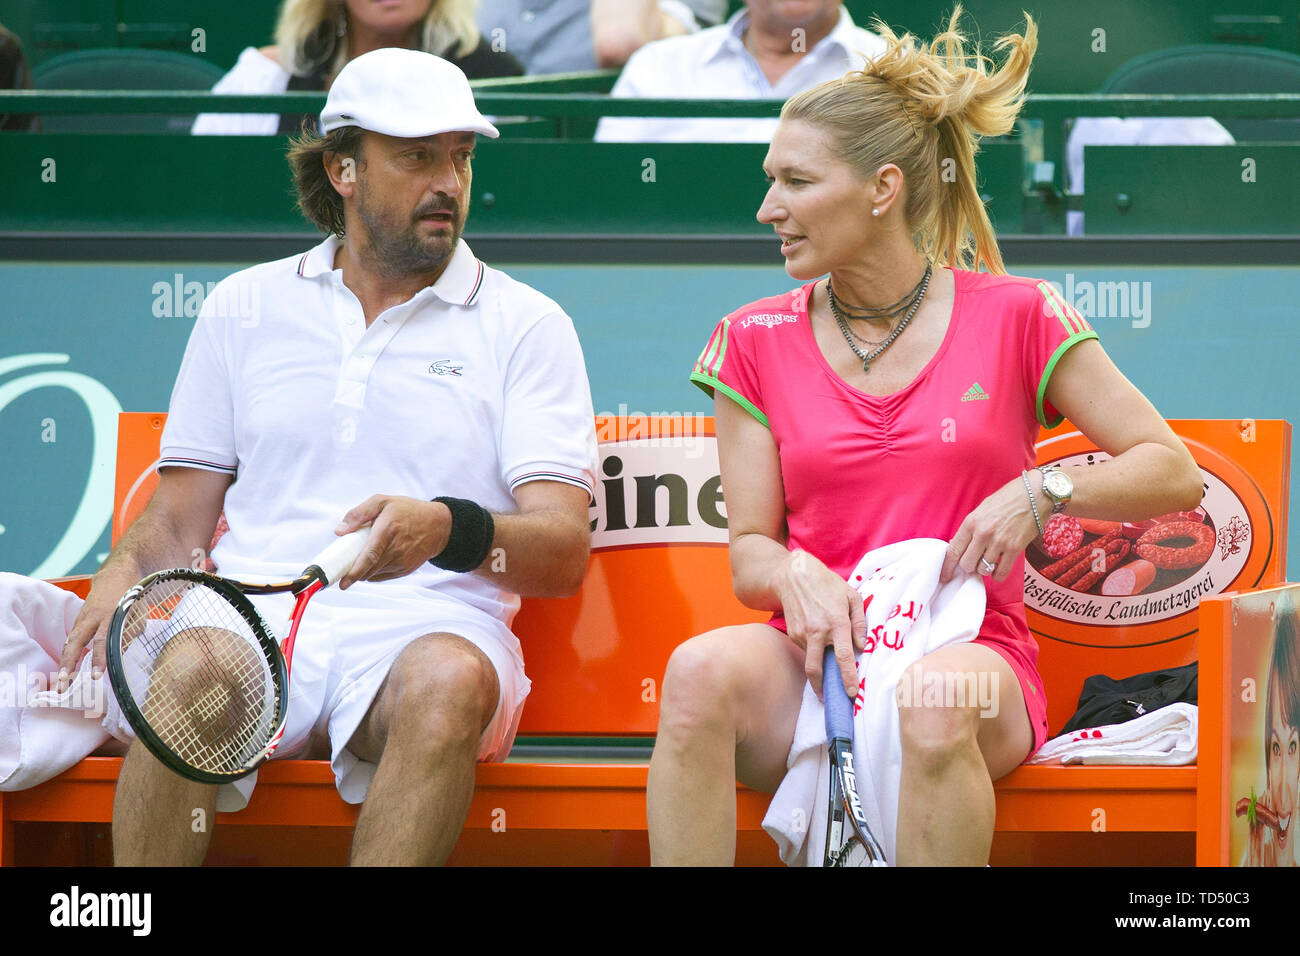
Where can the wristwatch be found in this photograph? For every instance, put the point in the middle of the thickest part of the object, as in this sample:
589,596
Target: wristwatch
1057,486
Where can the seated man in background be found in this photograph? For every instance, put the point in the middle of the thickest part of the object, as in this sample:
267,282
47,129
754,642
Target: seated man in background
764,51
387,378
573,36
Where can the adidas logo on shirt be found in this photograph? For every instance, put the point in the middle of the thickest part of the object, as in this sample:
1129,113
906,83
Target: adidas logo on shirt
975,393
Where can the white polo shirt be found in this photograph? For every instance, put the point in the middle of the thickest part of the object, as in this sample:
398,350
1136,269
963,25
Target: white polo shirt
471,388
714,64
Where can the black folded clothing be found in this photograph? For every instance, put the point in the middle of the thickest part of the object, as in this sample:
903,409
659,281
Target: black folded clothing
1105,700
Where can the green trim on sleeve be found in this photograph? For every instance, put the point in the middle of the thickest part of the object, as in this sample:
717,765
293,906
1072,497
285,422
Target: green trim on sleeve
711,360
708,383
1047,374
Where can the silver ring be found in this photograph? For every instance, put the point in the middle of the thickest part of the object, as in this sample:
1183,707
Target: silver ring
987,566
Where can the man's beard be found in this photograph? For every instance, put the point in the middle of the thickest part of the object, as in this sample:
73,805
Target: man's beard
400,252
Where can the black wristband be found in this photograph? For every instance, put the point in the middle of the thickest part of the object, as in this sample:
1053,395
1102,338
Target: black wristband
470,539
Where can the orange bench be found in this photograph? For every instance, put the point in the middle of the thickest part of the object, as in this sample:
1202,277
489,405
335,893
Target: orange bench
574,789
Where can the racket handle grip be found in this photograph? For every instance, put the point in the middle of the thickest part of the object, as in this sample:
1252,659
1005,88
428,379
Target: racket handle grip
336,560
838,705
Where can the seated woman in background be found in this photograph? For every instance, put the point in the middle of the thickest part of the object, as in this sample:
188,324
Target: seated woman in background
315,38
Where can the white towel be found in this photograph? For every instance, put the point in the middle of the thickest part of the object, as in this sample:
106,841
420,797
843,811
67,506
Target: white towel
908,616
43,733
1163,737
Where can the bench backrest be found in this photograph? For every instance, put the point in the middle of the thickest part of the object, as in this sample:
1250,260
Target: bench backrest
1245,470
659,571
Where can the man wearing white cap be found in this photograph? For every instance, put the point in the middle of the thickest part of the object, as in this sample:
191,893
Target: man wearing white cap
388,378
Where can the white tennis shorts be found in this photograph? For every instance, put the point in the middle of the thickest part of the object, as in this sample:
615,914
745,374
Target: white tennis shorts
346,644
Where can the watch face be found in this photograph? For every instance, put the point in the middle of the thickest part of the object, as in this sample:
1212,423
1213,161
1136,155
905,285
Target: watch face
1058,485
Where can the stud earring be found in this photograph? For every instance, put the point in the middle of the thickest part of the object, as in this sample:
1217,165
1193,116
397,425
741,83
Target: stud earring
875,212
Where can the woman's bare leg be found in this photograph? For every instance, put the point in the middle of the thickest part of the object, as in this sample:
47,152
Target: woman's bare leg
953,749
730,702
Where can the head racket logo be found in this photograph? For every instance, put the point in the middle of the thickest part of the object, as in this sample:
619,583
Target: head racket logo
851,787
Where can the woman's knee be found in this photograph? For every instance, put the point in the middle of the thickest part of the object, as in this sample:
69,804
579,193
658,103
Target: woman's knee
722,678
959,701
938,720
698,680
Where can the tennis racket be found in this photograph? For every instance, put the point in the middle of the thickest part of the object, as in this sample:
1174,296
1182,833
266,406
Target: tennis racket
199,674
849,841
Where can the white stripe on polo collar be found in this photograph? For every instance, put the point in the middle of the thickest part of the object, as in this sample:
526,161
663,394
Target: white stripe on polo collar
460,281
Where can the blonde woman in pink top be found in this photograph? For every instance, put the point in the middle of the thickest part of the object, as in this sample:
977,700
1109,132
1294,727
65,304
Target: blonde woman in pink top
898,398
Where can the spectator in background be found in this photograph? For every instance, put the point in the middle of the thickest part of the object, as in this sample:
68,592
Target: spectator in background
573,36
764,51
14,75
315,38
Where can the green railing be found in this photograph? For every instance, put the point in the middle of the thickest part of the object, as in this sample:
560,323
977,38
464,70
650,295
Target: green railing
552,103
612,188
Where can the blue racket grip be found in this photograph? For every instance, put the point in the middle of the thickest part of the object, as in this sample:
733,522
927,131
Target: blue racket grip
839,706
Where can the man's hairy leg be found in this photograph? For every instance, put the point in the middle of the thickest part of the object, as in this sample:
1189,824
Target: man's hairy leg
159,817
423,730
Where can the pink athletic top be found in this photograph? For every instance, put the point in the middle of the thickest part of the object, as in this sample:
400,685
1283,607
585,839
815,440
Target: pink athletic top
862,471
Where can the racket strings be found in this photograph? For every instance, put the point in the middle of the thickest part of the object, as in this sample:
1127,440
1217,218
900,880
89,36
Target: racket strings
202,698
208,691
853,853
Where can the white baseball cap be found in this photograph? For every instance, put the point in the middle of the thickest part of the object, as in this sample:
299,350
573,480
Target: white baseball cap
403,93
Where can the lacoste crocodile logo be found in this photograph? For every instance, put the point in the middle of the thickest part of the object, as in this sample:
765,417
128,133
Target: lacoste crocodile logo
445,368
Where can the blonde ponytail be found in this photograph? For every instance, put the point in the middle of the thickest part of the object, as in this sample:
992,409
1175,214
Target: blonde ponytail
924,109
